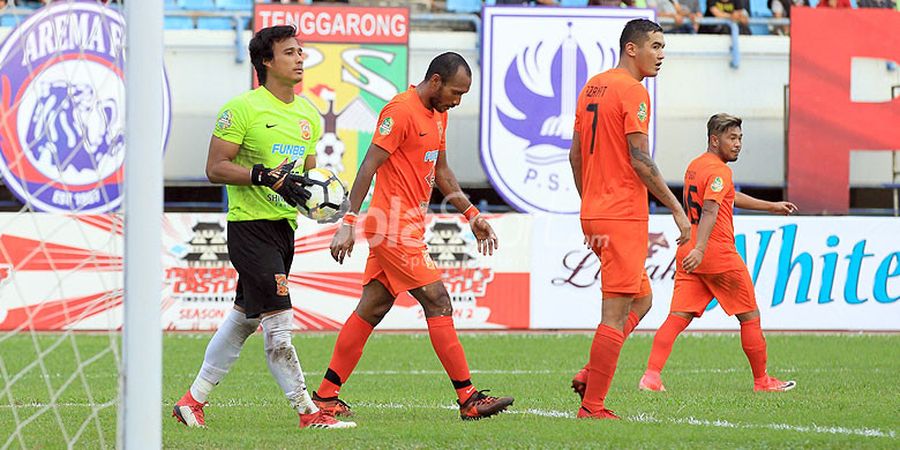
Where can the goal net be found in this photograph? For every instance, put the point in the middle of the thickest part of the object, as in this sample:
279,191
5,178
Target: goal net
62,234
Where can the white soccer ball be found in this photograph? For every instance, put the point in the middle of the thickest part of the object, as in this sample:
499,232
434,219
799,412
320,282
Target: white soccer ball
327,194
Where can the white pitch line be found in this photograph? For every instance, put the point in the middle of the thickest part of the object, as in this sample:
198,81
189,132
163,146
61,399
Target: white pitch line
642,418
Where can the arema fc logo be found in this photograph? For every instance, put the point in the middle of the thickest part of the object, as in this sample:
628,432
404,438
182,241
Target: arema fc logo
530,87
62,108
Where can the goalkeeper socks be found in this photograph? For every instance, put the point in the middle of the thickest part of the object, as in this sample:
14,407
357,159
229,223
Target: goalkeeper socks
221,352
283,362
630,324
604,357
347,351
664,340
450,351
754,345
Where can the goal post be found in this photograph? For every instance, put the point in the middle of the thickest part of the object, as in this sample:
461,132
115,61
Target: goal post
140,420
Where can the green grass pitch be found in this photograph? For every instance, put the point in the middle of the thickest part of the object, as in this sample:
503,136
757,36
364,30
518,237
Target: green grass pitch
848,394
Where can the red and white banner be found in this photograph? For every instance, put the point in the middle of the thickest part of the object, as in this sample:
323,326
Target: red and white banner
65,272
62,272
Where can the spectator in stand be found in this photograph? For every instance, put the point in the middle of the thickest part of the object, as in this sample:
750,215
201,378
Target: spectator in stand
782,9
889,4
836,4
733,10
685,15
526,2
613,3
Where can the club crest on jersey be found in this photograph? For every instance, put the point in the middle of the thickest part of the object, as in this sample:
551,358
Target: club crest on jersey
224,120
63,146
305,130
385,128
642,112
530,88
717,185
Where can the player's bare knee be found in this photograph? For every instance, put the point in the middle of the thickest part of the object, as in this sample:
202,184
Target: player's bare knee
744,317
439,305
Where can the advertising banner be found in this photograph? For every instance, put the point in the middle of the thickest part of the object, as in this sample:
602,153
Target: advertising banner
356,61
62,108
529,90
66,272
810,273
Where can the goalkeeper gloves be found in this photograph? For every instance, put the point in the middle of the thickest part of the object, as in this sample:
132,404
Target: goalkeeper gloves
291,187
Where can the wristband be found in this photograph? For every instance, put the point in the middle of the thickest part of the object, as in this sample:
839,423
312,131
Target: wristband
349,219
471,212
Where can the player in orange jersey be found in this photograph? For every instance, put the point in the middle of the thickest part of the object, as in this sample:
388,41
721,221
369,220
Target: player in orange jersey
710,267
409,154
613,171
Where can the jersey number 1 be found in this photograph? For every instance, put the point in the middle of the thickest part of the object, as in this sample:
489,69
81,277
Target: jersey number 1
592,107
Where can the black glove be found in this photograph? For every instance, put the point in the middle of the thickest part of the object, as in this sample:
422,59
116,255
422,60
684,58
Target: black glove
281,181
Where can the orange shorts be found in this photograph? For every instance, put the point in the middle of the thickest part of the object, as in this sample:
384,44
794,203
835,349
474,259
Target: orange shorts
621,246
400,268
694,291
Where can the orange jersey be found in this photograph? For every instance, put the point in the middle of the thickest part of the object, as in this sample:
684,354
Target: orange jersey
414,136
708,178
611,105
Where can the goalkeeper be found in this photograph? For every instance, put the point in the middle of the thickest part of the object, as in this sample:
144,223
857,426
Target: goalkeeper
258,138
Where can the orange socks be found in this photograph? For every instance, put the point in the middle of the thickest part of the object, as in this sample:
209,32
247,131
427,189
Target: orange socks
754,347
663,341
449,350
347,351
630,324
602,366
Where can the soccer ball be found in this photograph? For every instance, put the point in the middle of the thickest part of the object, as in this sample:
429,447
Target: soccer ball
327,194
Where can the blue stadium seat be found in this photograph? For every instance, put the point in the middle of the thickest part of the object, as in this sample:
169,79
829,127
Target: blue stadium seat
464,6
235,5
575,3
215,23
759,8
179,23
172,4
198,5
9,20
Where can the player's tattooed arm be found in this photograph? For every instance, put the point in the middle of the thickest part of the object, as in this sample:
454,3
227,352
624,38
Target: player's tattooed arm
639,150
744,201
704,229
575,160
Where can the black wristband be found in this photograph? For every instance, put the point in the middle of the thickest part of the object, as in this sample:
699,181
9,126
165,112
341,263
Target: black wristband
256,174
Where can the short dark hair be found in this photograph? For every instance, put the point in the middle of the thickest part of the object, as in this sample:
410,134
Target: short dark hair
720,123
446,65
261,46
637,31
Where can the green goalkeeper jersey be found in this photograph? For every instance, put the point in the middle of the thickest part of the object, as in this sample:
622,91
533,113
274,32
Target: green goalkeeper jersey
268,131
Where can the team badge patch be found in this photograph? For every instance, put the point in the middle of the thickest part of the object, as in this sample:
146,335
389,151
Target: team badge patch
224,120
281,285
385,128
642,112
305,130
717,185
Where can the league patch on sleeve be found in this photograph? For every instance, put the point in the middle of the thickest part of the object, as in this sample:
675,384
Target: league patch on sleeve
385,128
642,112
717,184
224,120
